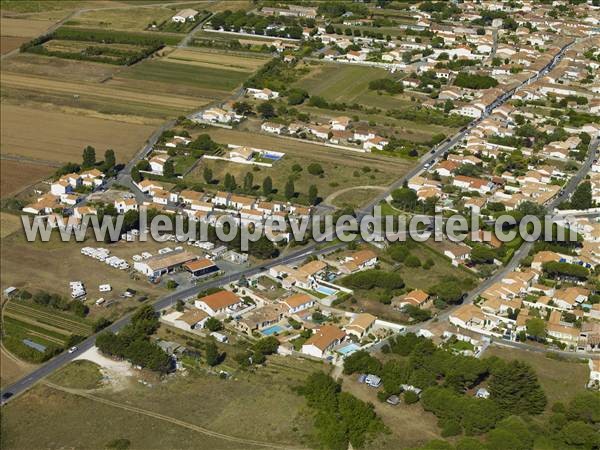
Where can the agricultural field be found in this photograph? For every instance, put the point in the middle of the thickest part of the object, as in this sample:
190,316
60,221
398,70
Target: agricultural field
9,223
11,368
17,175
340,82
132,19
342,169
14,32
210,81
215,59
62,136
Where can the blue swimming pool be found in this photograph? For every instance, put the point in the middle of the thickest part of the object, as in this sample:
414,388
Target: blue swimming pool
325,290
275,329
348,349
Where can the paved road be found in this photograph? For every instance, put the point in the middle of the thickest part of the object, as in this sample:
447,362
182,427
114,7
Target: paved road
312,249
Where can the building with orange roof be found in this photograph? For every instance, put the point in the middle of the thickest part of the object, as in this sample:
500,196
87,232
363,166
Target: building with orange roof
201,266
323,340
220,303
361,324
298,302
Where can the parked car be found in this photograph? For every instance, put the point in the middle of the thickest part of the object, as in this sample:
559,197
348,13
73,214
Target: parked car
73,349
362,378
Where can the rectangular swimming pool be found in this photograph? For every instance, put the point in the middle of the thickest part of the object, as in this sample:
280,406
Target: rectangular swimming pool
348,349
325,290
274,329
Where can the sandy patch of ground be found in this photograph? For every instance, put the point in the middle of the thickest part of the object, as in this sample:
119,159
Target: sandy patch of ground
116,373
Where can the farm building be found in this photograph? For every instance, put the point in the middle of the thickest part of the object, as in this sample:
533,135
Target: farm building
165,263
184,15
199,267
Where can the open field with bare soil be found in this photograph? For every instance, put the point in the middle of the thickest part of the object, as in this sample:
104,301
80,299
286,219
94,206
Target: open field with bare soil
23,27
17,175
62,137
9,223
9,43
45,85
59,68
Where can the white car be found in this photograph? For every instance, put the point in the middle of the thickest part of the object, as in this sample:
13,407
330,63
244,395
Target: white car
72,349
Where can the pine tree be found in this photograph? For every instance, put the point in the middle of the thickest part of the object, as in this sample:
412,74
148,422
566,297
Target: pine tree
136,175
515,388
169,169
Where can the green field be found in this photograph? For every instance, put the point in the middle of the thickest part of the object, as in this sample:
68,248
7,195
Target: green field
174,73
80,374
339,82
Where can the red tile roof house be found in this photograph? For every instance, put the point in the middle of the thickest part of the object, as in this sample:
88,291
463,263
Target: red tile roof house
220,303
323,340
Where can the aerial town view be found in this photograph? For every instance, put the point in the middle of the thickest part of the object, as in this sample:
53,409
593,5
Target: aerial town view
303,224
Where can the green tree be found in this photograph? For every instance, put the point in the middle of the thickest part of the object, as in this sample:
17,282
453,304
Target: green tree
290,190
136,175
248,181
315,169
213,324
582,197
267,186
536,328
313,194
109,159
229,183
242,108
212,354
88,157
207,174
515,388
169,169
266,110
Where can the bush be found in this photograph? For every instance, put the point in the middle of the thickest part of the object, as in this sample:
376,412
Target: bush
315,169
410,397
451,428
412,261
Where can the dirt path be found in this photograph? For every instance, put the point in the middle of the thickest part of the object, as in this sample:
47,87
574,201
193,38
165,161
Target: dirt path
181,423
335,194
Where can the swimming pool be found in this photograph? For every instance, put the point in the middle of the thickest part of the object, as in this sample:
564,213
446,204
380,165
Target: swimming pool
325,290
274,329
348,349
271,156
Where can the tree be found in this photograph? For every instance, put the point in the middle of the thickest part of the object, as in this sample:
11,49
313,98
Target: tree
136,175
109,159
536,328
169,169
212,353
266,110
296,96
242,108
267,186
248,181
315,169
482,255
207,174
290,190
267,345
405,198
229,183
313,193
362,361
582,197
88,157
213,324
515,388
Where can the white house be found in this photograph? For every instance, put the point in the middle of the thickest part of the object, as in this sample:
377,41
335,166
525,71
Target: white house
323,340
262,94
220,303
298,302
185,15
157,163
377,143
271,127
